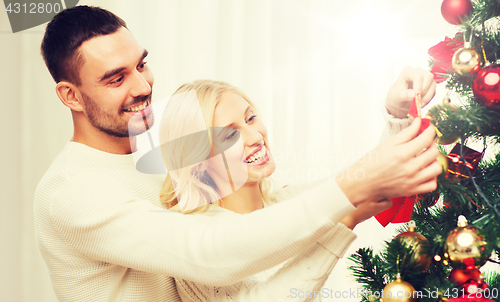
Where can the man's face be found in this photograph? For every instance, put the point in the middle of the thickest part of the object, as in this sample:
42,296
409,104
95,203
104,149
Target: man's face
116,84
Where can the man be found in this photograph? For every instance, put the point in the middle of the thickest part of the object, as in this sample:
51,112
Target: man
97,222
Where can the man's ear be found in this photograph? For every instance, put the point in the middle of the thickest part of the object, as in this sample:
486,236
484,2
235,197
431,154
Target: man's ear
67,93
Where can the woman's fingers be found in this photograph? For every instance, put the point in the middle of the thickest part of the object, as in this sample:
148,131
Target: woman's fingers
405,165
425,158
414,76
424,141
426,179
428,186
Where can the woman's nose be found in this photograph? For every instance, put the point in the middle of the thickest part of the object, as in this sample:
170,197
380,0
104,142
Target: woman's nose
252,137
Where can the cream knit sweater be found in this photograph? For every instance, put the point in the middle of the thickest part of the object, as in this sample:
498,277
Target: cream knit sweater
105,237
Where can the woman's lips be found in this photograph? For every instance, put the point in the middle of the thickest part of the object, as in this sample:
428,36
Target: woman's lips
258,158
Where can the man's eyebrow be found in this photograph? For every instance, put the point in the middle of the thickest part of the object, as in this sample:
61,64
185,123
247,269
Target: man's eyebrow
111,73
145,53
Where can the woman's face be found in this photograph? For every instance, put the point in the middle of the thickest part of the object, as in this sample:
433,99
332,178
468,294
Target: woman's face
239,135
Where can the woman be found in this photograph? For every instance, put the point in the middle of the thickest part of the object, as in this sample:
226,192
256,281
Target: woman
218,157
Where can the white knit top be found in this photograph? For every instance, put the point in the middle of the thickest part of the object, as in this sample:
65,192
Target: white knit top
105,237
299,279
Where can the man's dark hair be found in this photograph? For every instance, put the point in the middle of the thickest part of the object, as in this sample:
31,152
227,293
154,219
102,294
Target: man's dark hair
67,31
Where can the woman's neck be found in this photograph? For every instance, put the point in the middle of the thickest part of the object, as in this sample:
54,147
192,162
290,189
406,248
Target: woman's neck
246,199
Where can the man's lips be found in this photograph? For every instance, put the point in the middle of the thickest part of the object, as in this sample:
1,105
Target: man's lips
138,107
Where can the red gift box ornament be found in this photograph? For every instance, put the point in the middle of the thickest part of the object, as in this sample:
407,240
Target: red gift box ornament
457,167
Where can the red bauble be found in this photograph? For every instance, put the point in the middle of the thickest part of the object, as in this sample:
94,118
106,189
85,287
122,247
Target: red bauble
427,200
460,276
455,11
486,86
473,286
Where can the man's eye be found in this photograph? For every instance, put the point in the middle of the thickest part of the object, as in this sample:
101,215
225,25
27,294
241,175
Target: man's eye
118,80
142,65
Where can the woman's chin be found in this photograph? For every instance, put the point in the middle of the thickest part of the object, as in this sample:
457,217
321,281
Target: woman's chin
261,172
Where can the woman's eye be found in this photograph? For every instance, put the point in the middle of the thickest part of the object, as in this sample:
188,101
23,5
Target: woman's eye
231,135
252,118
142,65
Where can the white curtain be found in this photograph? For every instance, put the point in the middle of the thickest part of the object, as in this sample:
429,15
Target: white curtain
318,70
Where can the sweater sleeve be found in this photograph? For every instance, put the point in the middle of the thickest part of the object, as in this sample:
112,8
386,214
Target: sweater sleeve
297,280
133,233
305,274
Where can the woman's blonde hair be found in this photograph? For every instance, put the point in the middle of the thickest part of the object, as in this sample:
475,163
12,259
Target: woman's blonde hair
191,110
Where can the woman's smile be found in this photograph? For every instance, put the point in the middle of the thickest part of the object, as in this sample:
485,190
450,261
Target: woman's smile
259,157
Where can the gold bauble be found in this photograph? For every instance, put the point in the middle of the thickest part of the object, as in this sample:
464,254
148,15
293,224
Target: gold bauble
466,246
465,61
399,291
416,240
441,111
443,161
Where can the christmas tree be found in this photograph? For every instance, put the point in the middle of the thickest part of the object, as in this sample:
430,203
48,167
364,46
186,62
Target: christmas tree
455,229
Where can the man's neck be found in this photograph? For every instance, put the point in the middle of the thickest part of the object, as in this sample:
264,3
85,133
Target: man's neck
104,142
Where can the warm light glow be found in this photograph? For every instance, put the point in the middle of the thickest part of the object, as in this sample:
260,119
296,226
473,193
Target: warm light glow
465,239
437,258
465,57
368,31
491,79
472,289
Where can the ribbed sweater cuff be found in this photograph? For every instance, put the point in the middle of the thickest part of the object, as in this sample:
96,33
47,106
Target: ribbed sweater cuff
394,124
338,240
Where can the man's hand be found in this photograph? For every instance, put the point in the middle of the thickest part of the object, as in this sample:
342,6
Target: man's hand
409,82
364,211
403,165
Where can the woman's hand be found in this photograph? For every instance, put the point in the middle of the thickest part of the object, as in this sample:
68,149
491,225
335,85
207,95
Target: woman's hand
403,165
364,211
410,82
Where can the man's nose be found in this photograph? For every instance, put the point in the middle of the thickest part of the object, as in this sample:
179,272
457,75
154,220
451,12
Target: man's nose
140,85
